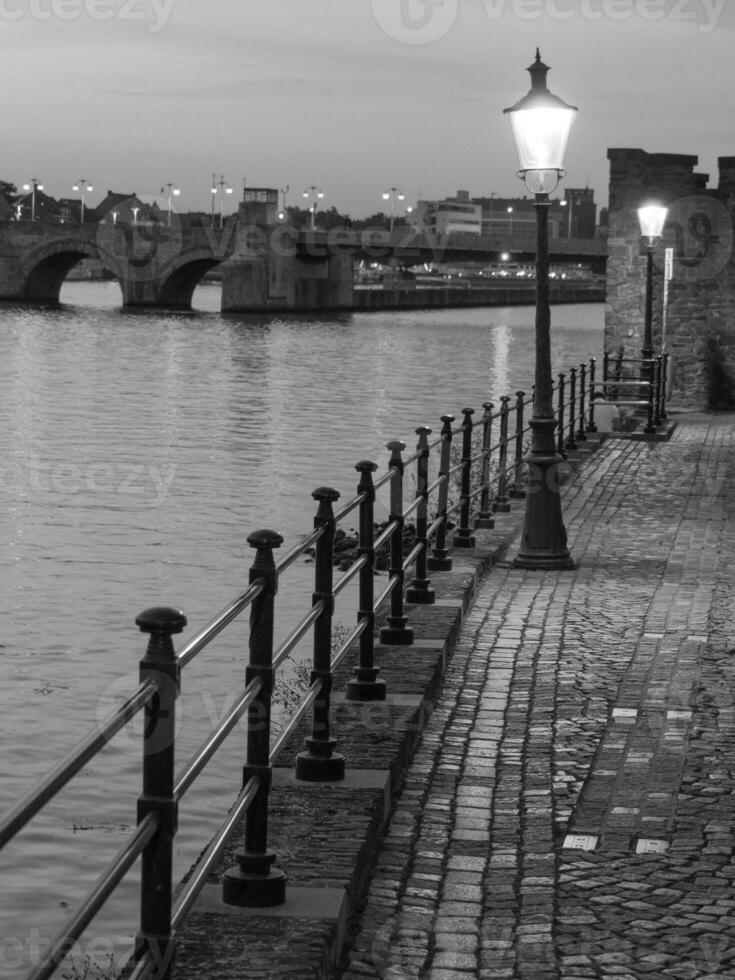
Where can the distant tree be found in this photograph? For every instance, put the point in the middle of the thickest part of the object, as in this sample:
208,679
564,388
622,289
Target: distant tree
7,189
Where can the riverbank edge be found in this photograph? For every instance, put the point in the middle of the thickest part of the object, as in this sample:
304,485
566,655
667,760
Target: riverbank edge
452,297
326,835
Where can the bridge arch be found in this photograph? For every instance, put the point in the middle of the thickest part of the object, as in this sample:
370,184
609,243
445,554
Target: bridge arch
174,287
44,270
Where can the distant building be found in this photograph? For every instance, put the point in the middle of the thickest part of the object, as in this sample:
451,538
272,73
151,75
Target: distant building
453,216
580,213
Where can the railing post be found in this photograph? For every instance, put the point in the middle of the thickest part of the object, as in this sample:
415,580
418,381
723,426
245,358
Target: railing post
420,591
502,504
650,427
516,489
657,418
365,685
581,433
485,517
440,560
591,427
254,881
463,536
156,935
560,419
319,762
664,384
571,443
396,632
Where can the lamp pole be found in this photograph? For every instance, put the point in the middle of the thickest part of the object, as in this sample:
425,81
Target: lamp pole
393,195
82,186
173,191
651,220
224,188
33,186
317,194
541,123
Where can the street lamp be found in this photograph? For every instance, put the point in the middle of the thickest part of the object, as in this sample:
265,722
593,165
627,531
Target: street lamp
173,191
33,186
651,219
510,233
283,214
82,186
393,195
541,122
224,188
314,192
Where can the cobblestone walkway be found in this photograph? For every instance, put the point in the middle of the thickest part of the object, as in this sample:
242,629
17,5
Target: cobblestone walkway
570,811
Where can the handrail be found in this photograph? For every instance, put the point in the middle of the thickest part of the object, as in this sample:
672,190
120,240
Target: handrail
476,478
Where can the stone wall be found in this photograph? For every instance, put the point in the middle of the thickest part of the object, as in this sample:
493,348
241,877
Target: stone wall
698,331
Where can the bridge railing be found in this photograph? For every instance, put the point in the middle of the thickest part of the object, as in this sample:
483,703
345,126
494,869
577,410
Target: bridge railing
460,479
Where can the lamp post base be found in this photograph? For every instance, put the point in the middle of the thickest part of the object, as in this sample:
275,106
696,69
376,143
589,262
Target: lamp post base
544,537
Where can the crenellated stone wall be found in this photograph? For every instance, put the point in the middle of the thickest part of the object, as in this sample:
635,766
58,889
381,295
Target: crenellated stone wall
698,331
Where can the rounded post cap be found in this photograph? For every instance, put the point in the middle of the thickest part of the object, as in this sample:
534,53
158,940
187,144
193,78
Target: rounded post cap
265,538
488,406
468,411
447,418
423,430
396,445
161,619
366,466
326,494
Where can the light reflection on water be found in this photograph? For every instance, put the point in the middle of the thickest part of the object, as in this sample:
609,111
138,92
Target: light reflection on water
138,452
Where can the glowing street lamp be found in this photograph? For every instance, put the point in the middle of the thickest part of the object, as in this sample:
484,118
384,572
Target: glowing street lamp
651,219
83,186
393,195
541,122
283,214
173,191
33,186
317,195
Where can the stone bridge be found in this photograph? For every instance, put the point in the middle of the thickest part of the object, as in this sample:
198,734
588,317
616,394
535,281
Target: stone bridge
266,266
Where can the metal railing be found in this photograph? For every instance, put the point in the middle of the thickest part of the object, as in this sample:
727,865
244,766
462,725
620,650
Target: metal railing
456,490
638,383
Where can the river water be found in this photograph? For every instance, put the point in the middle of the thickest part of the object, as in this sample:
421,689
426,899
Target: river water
137,452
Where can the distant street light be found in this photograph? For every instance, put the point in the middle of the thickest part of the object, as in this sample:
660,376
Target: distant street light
173,191
282,214
510,212
651,219
393,195
541,122
135,215
33,186
317,194
224,188
82,186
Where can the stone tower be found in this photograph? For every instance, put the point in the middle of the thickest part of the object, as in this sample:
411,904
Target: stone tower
698,329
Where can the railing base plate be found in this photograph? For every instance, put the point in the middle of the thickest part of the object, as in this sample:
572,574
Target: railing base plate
251,890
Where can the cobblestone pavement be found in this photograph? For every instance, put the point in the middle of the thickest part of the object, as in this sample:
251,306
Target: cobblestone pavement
570,809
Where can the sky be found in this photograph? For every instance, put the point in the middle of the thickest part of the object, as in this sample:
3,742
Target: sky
352,96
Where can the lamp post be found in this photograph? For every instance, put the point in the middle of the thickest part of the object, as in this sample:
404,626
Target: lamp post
33,186
393,195
541,122
173,191
651,219
317,194
283,214
224,188
509,211
82,186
